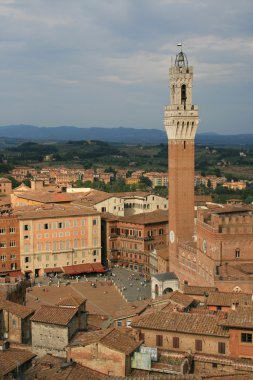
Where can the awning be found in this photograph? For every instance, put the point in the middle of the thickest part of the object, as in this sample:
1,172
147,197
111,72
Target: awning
53,270
98,268
15,273
78,269
28,271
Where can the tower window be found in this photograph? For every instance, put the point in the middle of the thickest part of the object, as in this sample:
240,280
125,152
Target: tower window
237,253
184,144
183,94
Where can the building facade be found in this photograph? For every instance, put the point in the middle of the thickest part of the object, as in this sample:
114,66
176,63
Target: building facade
9,244
58,237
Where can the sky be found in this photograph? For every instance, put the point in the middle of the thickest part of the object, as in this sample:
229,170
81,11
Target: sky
104,63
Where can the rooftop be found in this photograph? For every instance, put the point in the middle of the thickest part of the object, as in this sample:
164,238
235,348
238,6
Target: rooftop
157,216
242,317
71,300
227,299
181,322
16,309
54,315
111,338
198,290
53,211
50,367
9,359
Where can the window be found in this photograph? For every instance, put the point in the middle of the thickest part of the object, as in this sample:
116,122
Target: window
103,209
2,244
94,222
60,225
159,340
26,236
237,253
128,323
83,222
119,323
46,226
27,259
214,365
2,231
161,231
26,227
198,345
221,348
12,230
246,338
141,336
94,252
13,256
2,257
12,243
175,342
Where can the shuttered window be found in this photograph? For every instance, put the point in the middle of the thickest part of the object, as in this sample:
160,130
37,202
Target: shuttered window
159,340
198,345
175,342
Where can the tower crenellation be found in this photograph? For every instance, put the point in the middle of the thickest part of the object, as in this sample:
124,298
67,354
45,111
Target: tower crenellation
181,116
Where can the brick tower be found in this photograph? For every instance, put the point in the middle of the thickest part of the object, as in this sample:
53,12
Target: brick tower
181,121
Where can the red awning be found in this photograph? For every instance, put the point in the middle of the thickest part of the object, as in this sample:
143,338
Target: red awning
53,270
15,273
78,269
98,268
28,271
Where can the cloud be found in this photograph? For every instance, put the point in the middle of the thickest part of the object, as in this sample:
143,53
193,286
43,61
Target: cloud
117,53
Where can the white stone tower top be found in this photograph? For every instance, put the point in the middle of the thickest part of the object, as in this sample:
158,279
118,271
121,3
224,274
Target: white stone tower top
181,116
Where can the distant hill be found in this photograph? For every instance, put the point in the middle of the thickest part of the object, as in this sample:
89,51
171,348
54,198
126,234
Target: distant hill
114,135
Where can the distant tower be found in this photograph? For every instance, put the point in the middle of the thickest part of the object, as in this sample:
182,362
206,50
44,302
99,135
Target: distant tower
181,121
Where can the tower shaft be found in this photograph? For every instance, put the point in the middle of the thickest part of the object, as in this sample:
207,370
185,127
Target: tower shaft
181,121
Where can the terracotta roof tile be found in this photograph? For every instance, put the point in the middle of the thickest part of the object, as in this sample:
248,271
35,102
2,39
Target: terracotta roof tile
111,338
241,317
54,212
16,309
198,290
157,216
181,322
10,358
180,298
71,300
54,315
50,367
227,299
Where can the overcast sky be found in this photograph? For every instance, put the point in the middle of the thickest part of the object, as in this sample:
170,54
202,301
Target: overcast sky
104,63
